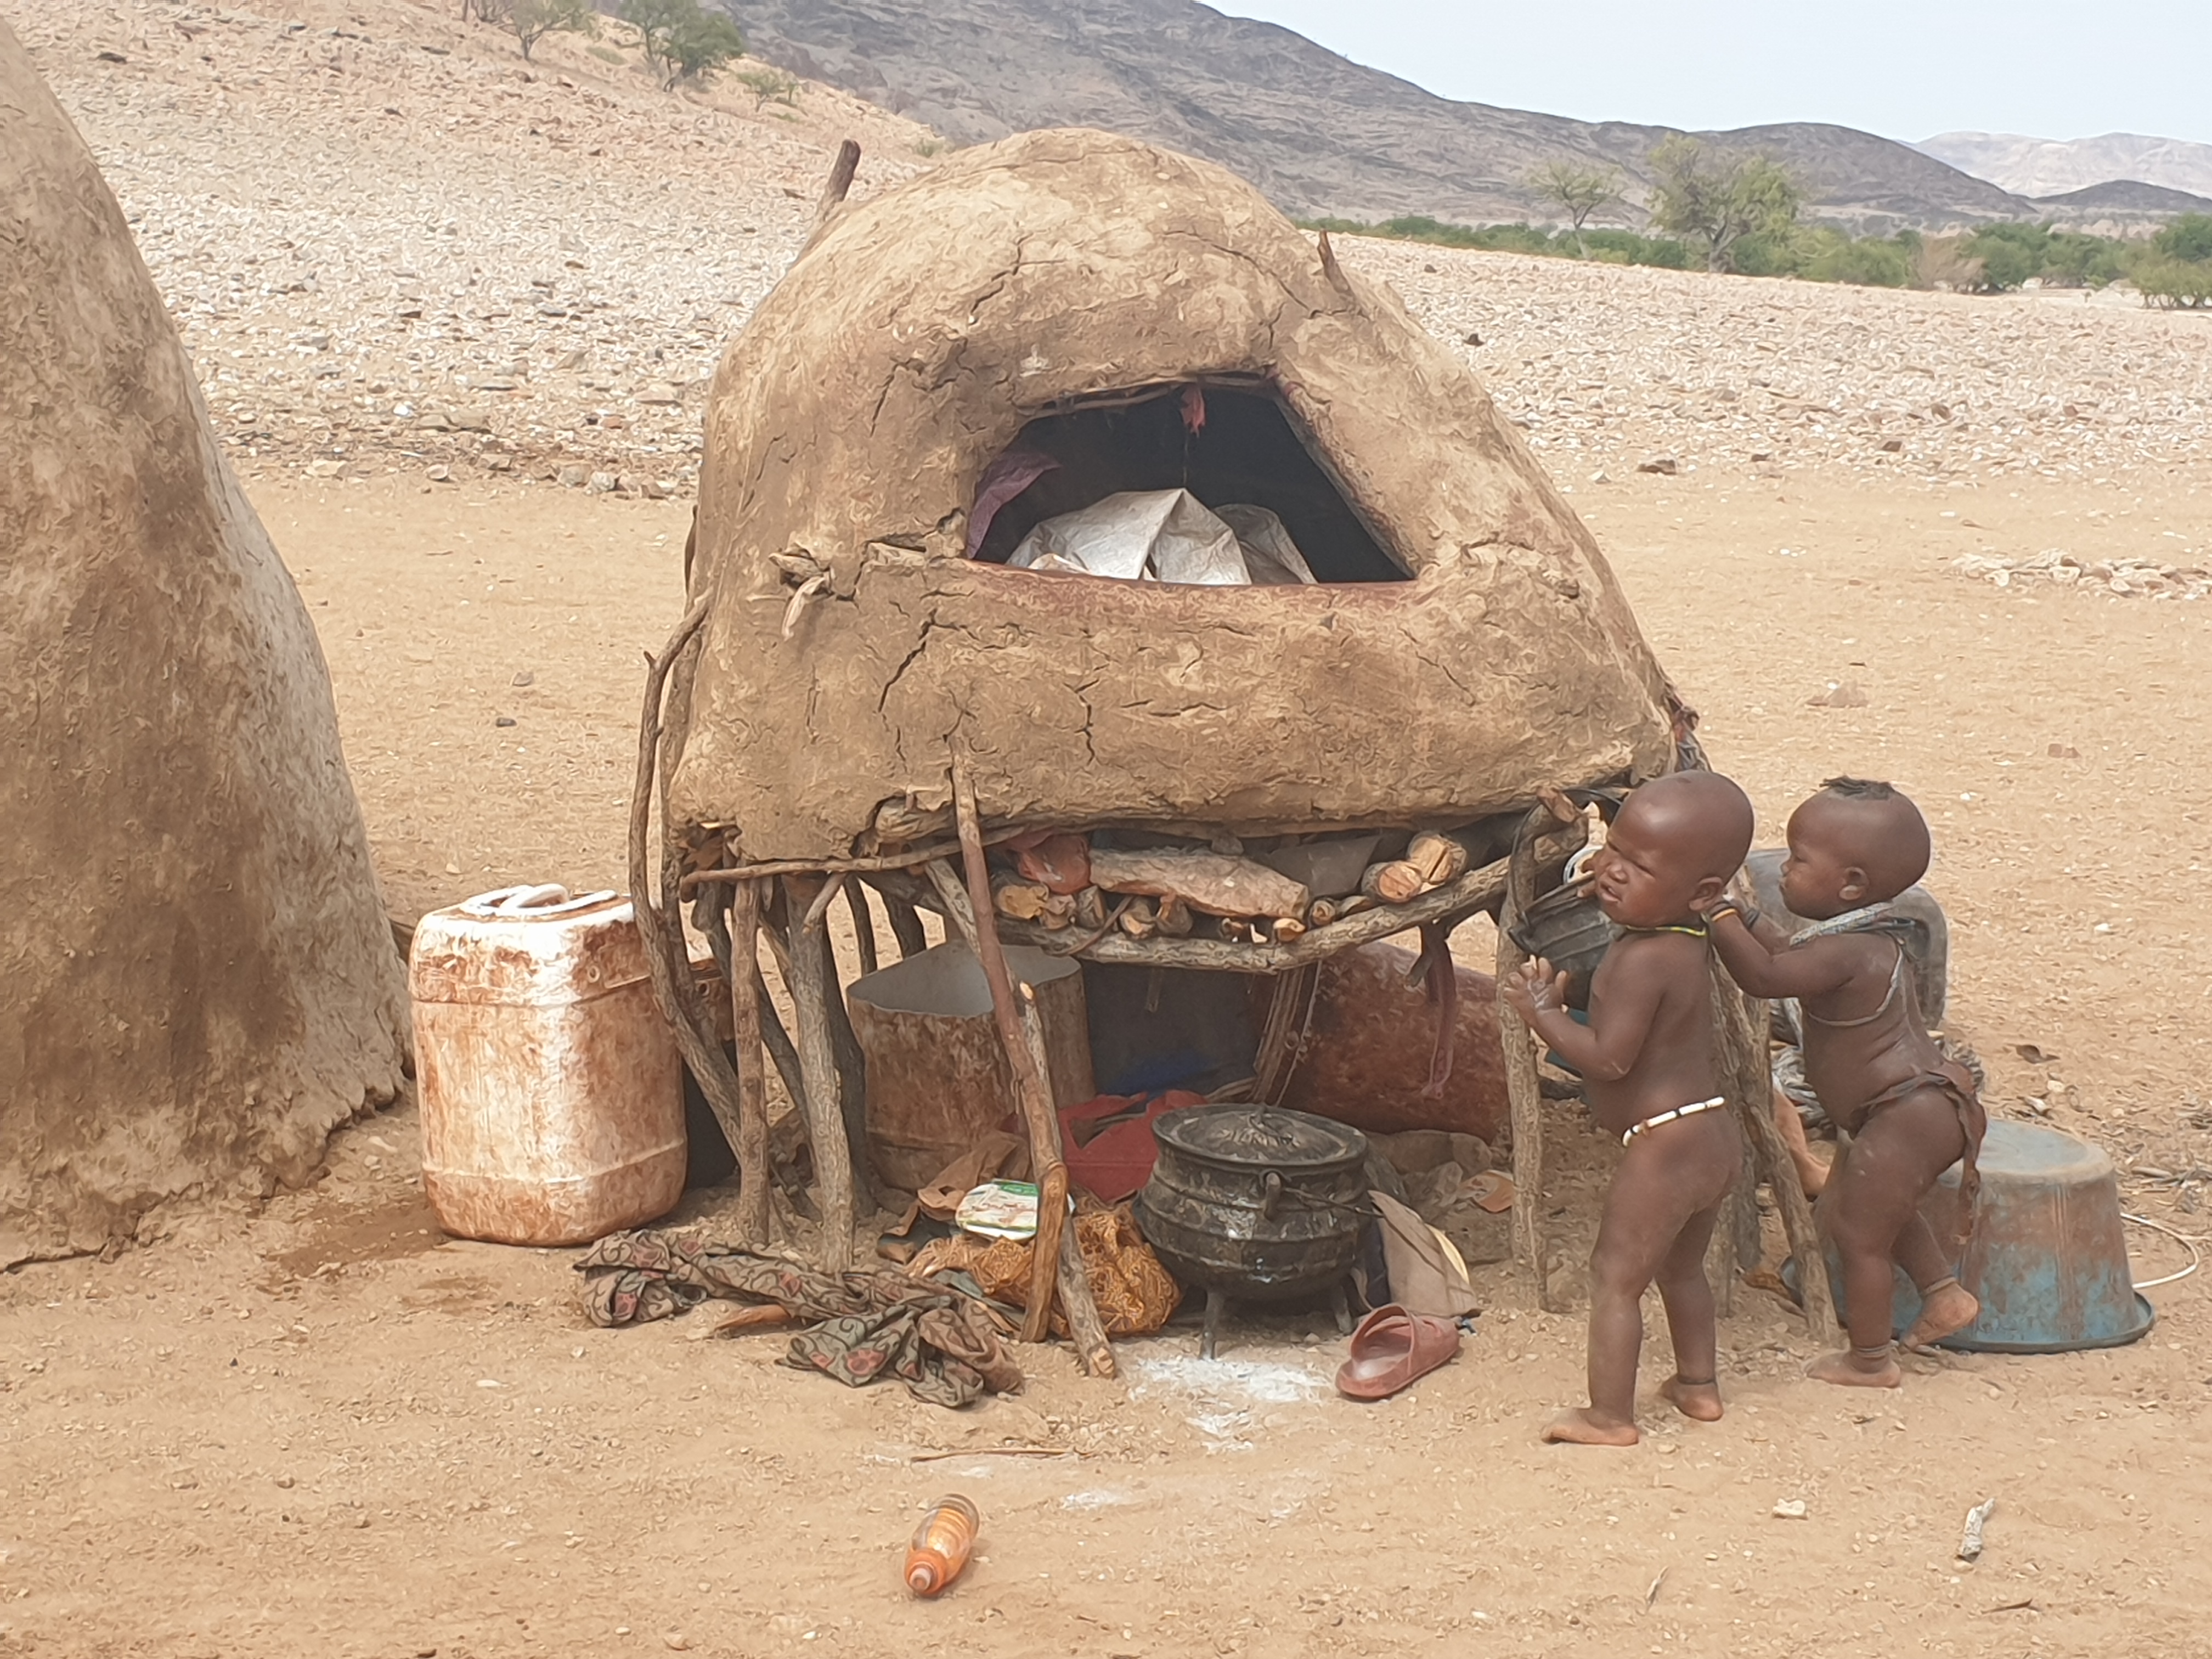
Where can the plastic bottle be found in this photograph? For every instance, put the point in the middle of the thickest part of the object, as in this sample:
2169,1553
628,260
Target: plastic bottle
940,1545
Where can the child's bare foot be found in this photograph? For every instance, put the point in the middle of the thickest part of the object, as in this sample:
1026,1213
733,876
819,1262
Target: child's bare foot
1586,1428
1946,1307
1855,1368
1700,1400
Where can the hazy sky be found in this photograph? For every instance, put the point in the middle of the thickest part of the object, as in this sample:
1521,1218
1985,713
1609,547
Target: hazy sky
1906,68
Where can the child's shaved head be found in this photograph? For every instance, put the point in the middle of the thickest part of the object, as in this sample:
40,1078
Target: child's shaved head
1874,826
1702,816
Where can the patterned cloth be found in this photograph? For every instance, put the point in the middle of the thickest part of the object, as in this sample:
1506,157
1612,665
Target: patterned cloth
865,1324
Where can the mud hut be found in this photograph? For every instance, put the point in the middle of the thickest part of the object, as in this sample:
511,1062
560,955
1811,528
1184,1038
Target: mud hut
878,679
196,978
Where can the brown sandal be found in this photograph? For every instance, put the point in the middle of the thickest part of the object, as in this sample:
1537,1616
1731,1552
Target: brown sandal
1394,1348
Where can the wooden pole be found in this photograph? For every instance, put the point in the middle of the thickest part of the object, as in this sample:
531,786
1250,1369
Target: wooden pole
1032,1088
864,924
1093,1347
754,1211
809,977
1522,1092
1740,1043
906,926
660,926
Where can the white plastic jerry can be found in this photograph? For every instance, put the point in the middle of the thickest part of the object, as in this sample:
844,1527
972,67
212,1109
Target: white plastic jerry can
551,1090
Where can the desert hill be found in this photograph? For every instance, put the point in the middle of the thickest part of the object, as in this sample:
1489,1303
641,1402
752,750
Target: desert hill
2057,167
1320,134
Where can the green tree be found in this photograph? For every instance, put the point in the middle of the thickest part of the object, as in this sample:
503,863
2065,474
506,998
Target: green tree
1717,197
2188,238
682,42
769,85
1576,191
2011,254
533,20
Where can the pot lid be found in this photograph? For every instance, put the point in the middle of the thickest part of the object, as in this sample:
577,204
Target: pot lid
1260,1136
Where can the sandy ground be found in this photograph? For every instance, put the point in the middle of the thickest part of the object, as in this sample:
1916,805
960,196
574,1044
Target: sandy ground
322,1428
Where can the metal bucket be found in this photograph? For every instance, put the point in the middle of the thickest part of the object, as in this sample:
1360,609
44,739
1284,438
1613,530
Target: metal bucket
1567,929
2049,1257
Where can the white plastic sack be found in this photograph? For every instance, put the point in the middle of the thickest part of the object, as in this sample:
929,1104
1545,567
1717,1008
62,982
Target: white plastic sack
1271,557
1166,535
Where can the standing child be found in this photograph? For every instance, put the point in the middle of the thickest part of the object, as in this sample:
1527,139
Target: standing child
1853,847
1646,1059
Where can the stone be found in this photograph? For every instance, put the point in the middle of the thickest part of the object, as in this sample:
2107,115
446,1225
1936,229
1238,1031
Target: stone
468,420
1664,465
660,396
600,483
573,475
440,474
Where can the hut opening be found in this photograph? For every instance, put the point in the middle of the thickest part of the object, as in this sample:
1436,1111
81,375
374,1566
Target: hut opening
1228,445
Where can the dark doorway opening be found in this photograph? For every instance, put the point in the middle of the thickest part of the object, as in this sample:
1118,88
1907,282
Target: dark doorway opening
1244,450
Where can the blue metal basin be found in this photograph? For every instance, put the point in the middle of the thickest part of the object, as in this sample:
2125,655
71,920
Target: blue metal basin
2049,1257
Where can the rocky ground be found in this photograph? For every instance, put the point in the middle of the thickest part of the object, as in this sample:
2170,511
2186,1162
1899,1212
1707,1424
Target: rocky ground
396,247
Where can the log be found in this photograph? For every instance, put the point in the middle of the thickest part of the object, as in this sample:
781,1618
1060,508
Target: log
1478,889
1020,900
810,982
1399,881
836,186
1092,1347
954,900
1739,1046
1523,1095
1174,918
1090,909
1140,917
754,1210
1438,857
1218,883
1032,1088
900,821
1328,910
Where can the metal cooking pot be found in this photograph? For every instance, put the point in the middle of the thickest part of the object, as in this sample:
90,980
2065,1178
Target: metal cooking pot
1254,1202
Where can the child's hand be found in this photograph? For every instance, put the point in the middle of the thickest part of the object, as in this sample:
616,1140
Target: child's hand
1535,988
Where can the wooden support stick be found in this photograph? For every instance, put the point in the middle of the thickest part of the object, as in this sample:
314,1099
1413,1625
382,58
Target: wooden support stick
660,926
820,908
906,926
754,1211
959,910
864,924
1092,1348
1032,1088
1740,1043
809,980
838,181
1522,1092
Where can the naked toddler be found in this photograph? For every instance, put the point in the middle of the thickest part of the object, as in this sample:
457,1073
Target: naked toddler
1646,1061
1853,847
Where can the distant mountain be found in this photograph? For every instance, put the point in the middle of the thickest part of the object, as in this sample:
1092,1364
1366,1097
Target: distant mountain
1320,135
2128,195
2051,167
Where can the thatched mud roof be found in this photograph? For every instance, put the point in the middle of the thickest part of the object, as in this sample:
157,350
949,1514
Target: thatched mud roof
196,979
911,346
